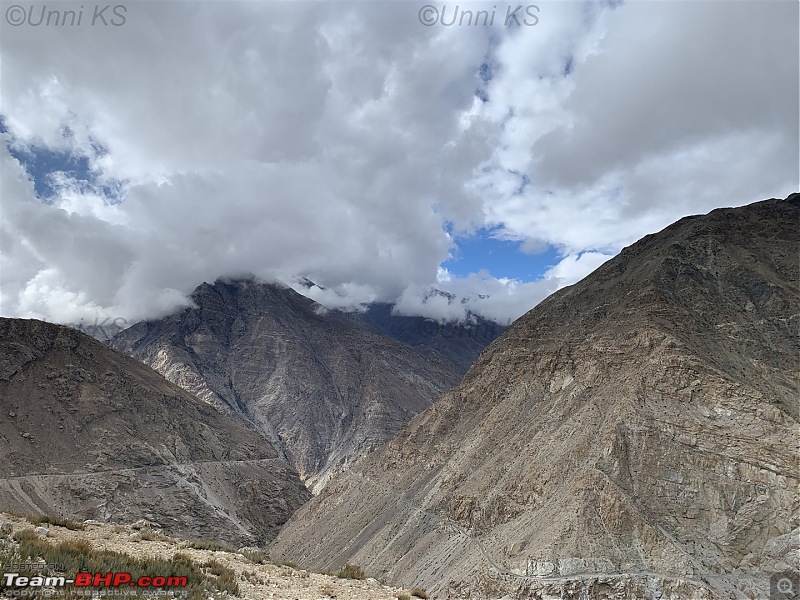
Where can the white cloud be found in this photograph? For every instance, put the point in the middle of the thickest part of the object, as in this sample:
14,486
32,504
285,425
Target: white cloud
673,108
498,299
575,267
334,140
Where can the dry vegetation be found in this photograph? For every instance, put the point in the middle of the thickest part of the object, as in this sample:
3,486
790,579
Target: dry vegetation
211,569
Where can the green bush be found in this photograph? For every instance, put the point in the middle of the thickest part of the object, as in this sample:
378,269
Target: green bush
78,556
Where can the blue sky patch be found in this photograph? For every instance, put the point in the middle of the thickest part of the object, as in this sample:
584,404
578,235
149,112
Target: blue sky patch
42,162
502,258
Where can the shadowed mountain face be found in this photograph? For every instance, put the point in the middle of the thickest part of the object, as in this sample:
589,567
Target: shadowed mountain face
633,436
86,432
461,342
323,389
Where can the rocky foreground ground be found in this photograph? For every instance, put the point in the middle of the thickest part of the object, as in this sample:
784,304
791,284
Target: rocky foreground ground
255,581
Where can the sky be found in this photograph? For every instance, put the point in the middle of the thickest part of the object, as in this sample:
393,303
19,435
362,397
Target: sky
380,149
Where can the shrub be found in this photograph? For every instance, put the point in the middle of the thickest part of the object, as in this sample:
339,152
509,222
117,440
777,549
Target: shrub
250,576
287,563
25,535
58,521
209,545
258,557
78,556
149,535
225,577
351,572
419,593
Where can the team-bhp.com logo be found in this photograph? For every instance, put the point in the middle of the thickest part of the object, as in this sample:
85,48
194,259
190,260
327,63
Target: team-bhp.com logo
85,580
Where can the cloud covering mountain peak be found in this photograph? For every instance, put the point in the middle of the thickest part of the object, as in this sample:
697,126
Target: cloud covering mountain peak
348,143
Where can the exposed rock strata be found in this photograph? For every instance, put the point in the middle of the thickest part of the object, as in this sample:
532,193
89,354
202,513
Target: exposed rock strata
633,436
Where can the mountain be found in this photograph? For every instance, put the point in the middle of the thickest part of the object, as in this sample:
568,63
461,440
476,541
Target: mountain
460,342
633,436
323,389
86,432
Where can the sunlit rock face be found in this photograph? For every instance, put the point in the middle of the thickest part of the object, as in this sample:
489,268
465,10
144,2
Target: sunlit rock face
323,388
633,436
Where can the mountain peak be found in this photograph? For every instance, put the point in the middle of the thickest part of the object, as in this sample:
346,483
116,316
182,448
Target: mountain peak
322,387
629,431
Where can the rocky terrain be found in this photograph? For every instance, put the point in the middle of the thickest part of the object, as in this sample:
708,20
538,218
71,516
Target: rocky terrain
323,389
256,578
633,436
86,432
460,342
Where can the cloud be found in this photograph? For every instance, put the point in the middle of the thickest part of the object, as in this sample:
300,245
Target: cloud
659,118
575,267
346,142
455,299
253,138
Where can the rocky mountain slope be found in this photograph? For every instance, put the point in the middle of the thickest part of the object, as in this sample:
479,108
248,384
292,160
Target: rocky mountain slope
323,389
633,436
460,342
86,432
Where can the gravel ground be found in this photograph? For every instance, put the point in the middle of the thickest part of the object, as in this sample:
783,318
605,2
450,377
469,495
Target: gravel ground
256,581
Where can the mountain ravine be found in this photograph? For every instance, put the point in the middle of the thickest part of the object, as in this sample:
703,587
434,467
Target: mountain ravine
323,389
633,436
